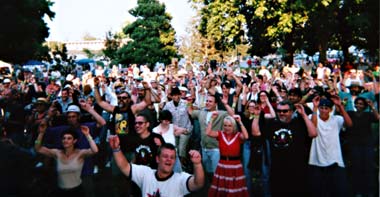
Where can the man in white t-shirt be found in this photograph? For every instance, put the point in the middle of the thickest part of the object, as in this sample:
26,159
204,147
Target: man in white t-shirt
163,181
327,171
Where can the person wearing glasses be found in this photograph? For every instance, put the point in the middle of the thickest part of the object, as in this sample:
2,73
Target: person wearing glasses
290,138
122,124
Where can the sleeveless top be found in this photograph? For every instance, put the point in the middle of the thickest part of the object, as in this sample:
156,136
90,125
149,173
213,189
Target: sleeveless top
69,172
168,136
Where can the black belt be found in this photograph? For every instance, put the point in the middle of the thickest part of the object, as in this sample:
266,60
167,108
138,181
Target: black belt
229,158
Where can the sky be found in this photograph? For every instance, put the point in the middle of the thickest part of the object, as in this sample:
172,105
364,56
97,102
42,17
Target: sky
75,18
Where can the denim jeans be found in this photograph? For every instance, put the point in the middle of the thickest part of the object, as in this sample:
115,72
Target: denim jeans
246,159
210,159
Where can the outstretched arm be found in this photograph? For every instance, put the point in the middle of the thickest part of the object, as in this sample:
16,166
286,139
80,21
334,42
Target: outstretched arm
347,120
120,159
98,118
197,181
311,129
93,147
244,132
209,131
106,106
38,143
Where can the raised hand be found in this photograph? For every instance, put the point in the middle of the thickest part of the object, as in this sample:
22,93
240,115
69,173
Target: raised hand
316,101
157,141
195,157
237,118
85,130
300,109
336,100
42,127
214,115
224,100
114,141
96,81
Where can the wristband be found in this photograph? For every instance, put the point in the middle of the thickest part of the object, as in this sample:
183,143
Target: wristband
314,113
89,137
37,142
116,150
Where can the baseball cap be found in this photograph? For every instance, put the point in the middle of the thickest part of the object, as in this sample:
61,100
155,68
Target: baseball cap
73,108
6,80
325,102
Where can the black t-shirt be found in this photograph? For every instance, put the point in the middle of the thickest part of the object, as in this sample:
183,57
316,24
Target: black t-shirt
146,150
122,123
290,147
361,131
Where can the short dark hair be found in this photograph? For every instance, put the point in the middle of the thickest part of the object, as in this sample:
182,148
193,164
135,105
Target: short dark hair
165,146
364,100
145,116
166,115
70,131
287,102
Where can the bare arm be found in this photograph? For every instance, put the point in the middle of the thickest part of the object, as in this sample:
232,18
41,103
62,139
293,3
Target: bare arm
106,106
209,131
347,120
244,132
229,109
197,181
93,147
38,143
120,159
147,100
311,129
98,118
180,130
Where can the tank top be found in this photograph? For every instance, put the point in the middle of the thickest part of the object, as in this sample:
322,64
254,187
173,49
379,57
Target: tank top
69,172
168,135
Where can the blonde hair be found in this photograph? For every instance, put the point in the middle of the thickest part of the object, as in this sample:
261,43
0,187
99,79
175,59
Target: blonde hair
232,121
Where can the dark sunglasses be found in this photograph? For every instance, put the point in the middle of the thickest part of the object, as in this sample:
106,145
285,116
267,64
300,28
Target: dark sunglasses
282,110
139,123
123,97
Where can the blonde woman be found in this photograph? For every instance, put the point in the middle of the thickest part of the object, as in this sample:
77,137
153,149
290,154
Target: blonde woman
229,176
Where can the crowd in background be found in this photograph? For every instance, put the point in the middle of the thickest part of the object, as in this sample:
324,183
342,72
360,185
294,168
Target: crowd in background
330,112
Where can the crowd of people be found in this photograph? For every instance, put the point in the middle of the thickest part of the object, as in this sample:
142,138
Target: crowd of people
309,130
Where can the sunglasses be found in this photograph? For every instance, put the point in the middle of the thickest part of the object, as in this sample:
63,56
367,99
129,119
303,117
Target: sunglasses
139,123
123,97
282,110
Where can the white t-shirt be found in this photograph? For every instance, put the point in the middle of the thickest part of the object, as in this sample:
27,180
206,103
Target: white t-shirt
325,148
144,177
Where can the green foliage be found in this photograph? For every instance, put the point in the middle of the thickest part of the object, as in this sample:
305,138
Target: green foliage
112,45
23,29
291,25
152,36
222,22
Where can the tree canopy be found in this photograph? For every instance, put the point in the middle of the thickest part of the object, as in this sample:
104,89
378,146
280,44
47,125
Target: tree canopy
23,29
292,24
151,35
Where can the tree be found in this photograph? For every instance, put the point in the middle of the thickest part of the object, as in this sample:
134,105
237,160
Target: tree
152,36
222,21
112,45
23,29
